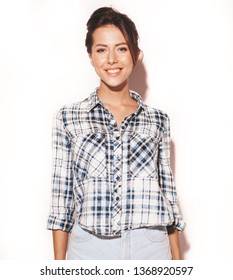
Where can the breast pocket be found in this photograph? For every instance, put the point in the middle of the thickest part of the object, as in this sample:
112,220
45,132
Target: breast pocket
90,155
143,154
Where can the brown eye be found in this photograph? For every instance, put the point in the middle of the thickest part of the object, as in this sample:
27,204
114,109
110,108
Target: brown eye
100,51
122,49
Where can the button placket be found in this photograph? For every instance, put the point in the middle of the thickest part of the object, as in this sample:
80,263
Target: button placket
117,171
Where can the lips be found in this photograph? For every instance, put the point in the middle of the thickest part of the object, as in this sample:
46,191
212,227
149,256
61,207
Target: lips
113,70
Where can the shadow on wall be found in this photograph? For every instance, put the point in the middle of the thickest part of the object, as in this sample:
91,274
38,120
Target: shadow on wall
184,245
138,80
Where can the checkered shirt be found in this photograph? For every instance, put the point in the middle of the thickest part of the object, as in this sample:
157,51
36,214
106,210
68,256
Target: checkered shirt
114,178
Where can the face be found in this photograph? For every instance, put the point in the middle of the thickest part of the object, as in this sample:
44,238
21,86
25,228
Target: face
111,57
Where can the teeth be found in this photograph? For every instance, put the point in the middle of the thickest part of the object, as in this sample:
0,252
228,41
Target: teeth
112,71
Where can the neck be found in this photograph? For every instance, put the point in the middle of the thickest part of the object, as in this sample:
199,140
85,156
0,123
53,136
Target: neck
114,95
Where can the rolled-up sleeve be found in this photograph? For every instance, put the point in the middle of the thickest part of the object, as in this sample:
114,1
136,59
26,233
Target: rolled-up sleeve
166,179
62,202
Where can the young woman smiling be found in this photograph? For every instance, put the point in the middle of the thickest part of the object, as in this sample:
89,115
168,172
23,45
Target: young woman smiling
111,160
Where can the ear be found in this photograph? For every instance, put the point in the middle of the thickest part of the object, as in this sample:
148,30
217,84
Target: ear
90,57
140,56
139,59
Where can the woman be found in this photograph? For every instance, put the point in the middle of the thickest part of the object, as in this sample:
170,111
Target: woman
111,160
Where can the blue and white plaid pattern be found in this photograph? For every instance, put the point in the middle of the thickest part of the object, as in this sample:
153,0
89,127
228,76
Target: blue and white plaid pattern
115,178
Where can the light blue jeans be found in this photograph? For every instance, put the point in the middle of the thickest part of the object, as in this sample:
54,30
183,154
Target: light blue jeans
137,244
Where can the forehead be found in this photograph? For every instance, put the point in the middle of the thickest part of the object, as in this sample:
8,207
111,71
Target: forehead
108,34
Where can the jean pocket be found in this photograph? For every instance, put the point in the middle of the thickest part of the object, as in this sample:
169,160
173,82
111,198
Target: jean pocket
156,234
80,235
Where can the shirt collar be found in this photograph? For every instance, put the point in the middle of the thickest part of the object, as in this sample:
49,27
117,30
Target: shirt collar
93,100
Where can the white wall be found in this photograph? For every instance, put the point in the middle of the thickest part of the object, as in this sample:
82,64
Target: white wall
187,71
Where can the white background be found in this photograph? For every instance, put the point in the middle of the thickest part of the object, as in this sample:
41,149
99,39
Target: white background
187,71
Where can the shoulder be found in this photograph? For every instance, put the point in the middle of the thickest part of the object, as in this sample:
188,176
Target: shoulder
69,117
69,112
159,115
157,112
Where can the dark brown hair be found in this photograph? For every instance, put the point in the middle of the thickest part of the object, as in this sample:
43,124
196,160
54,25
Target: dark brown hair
106,15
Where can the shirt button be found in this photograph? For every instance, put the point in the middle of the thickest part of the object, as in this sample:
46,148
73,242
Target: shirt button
117,199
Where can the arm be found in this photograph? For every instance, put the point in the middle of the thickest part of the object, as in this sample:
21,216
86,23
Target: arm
60,239
169,190
62,202
173,235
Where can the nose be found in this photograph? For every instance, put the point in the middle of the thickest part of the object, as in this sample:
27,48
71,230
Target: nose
112,57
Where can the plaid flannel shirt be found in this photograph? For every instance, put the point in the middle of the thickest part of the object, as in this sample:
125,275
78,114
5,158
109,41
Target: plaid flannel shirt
115,178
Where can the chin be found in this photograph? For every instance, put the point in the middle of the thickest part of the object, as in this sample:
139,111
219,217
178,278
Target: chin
116,86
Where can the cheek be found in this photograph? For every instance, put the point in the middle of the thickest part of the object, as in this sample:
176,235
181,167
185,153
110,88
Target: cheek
128,61
98,64
129,65
98,61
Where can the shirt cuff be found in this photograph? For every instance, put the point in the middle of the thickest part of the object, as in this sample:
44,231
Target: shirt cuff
179,224
56,223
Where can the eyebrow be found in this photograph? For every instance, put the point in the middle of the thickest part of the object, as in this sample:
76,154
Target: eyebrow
104,45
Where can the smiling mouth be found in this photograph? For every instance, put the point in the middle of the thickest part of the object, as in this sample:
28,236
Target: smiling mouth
113,71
